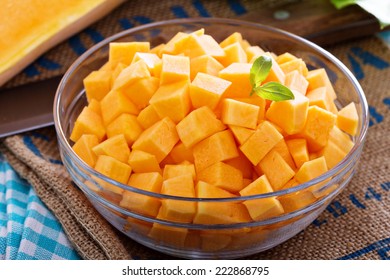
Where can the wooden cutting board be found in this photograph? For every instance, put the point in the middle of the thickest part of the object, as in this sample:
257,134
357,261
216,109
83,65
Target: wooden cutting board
316,20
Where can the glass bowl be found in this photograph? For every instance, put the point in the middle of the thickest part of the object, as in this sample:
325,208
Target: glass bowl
208,240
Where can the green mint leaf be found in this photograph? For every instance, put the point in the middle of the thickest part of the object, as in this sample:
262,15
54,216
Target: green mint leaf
274,91
260,70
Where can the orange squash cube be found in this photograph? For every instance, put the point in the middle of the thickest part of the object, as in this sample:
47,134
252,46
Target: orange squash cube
180,153
222,175
265,137
310,170
127,125
159,139
176,210
206,190
143,204
218,147
296,81
341,139
123,52
276,169
320,98
319,78
88,122
298,150
143,162
198,125
169,96
141,91
116,72
152,61
319,122
235,37
282,149
296,201
176,170
97,84
241,163
204,64
148,117
333,154
114,104
276,73
115,147
285,57
234,53
239,113
253,52
83,148
290,115
197,45
261,208
238,74
206,90
241,134
131,74
294,65
94,105
113,169
258,101
348,119
221,213
175,68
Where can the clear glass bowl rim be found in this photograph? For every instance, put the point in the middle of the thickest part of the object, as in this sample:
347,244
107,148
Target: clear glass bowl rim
359,141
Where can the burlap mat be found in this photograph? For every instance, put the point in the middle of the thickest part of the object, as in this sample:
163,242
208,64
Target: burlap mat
354,226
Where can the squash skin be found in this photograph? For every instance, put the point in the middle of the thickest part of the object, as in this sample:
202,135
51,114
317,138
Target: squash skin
31,27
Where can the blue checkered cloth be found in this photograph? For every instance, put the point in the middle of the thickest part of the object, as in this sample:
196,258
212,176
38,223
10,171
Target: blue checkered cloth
28,230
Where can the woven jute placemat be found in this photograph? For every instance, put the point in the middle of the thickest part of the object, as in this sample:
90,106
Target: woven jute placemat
354,226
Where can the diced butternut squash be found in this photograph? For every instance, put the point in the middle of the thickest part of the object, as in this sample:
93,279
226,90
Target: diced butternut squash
341,139
169,96
253,52
320,98
83,148
206,90
296,81
168,235
88,122
115,147
198,125
222,175
174,209
241,163
180,153
123,52
231,39
116,71
159,139
127,125
234,53
262,208
206,190
97,84
333,154
218,147
148,117
258,101
176,170
294,65
239,113
285,57
260,142
114,104
202,45
152,61
174,69
276,169
310,170
143,204
94,105
298,150
319,78
282,149
290,115
318,125
131,74
143,162
348,119
213,242
238,74
114,169
241,134
204,64
296,201
221,213
141,91
276,73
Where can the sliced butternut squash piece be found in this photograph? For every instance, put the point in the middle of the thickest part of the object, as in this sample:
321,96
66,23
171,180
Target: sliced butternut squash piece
88,122
123,52
239,113
175,68
127,125
348,119
83,148
204,64
115,147
148,117
143,162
